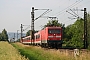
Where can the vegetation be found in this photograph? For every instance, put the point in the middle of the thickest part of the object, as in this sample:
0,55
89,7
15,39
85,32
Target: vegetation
88,28
8,52
74,34
29,31
4,36
38,53
53,23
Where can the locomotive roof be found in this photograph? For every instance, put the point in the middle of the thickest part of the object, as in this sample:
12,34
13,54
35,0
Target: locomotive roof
52,27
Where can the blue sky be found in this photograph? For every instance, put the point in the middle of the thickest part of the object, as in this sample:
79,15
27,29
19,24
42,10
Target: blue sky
16,12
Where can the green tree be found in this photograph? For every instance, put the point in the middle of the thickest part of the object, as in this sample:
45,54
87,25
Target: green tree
28,32
4,35
53,23
88,29
74,34
0,37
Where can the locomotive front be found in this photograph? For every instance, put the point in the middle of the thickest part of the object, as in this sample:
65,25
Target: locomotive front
54,36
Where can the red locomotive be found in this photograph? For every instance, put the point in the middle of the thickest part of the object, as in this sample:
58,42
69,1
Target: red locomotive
48,37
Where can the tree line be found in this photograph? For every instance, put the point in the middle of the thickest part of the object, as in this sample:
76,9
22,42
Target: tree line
4,35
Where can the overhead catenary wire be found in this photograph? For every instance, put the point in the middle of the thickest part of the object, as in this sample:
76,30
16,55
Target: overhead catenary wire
57,12
71,18
65,8
72,5
26,28
71,14
48,10
74,13
62,11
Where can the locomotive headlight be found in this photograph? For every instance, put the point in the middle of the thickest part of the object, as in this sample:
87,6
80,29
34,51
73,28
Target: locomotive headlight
48,39
54,34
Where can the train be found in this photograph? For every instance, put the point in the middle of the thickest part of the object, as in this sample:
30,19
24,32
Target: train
47,37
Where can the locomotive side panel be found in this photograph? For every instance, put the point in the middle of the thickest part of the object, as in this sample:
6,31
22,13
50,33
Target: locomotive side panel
37,38
44,36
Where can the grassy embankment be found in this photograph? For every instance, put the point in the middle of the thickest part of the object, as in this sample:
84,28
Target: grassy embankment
37,53
8,52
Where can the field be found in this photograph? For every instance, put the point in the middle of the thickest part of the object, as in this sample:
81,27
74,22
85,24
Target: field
38,53
12,51
8,52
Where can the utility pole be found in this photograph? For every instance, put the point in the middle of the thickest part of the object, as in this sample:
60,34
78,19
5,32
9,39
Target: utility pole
14,36
32,25
21,31
17,34
85,28
32,21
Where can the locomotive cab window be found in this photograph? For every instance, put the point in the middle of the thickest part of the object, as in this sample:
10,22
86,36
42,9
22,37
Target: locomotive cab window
37,36
54,31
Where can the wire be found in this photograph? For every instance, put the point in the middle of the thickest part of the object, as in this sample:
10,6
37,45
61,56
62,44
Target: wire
72,5
63,11
43,14
26,28
68,21
71,14
74,13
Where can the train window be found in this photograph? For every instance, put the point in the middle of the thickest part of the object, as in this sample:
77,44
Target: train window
29,38
57,31
54,31
37,36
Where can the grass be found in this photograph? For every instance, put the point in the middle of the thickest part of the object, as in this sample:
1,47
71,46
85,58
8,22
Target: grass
8,52
31,52
37,53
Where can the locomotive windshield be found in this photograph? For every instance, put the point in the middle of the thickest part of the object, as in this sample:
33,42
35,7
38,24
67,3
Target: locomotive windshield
54,31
